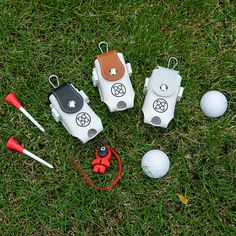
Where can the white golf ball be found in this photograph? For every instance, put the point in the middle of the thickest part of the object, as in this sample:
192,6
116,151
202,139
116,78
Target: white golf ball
213,104
155,164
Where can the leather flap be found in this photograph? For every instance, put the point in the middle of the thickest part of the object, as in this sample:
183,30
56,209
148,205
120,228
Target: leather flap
165,81
111,67
68,98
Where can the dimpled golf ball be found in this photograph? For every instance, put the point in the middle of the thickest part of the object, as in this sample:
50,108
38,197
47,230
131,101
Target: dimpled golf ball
213,104
155,164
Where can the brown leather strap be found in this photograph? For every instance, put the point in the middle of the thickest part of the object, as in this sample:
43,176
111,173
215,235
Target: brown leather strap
111,66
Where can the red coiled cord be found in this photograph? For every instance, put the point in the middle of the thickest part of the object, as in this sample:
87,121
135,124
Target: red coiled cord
77,165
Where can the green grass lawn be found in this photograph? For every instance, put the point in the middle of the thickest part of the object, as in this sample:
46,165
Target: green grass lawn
40,38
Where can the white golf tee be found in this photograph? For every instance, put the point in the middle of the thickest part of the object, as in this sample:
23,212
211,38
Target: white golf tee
37,158
26,113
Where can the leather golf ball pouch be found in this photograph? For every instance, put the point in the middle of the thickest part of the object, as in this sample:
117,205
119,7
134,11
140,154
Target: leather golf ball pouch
70,107
112,77
161,91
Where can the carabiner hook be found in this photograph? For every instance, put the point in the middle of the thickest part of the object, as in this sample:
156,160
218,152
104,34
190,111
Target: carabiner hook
169,62
105,45
54,83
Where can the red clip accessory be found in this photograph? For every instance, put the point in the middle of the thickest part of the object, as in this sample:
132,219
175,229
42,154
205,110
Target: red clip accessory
100,165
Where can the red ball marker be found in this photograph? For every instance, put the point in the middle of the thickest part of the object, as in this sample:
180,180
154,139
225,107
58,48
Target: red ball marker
14,145
12,99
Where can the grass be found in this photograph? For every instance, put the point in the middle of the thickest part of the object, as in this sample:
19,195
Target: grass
40,38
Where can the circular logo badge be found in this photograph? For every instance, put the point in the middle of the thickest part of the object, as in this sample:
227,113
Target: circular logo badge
118,90
83,119
160,105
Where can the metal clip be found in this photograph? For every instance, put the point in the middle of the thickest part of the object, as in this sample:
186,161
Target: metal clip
54,83
105,46
169,62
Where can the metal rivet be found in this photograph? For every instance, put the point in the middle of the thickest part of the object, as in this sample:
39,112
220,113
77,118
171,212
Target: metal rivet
163,87
112,71
71,104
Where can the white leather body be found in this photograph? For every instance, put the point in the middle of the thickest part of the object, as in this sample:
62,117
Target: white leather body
161,90
84,124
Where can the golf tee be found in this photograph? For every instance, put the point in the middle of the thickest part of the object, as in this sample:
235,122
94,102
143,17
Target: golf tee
37,158
14,145
12,99
26,113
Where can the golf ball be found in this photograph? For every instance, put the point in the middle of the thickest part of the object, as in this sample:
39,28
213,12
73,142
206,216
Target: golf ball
213,104
155,164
